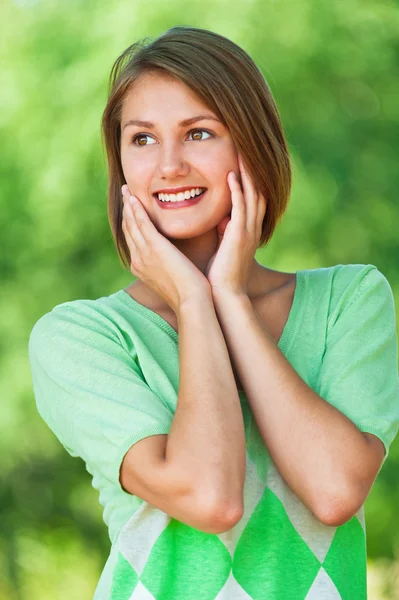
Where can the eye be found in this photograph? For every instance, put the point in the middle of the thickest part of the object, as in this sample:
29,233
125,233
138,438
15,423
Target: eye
196,131
138,136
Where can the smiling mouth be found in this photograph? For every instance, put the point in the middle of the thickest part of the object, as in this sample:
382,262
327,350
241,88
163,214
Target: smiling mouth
190,199
171,204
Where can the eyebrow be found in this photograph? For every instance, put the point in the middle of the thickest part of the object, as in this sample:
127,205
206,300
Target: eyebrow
184,123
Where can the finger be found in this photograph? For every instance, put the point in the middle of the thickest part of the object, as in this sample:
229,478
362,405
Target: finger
131,245
250,195
128,237
143,221
262,205
129,227
134,225
238,211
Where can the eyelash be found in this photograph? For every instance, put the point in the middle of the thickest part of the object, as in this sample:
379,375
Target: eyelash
138,135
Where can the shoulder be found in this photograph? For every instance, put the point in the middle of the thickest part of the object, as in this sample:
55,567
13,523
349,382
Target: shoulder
344,283
339,275
355,294
354,274
80,319
354,280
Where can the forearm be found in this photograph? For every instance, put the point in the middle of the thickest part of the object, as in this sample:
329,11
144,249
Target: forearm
316,448
207,438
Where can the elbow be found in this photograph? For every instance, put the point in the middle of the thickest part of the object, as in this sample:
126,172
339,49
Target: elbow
343,502
337,508
223,520
221,515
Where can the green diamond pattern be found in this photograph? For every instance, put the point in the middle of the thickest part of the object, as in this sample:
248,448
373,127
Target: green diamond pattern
200,562
124,581
271,559
349,575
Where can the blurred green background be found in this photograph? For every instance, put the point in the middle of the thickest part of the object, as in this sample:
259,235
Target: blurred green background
333,68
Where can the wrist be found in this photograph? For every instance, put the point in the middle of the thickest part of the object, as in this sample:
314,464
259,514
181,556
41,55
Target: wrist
221,295
195,302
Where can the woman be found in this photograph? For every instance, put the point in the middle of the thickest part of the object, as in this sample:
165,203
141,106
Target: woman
233,417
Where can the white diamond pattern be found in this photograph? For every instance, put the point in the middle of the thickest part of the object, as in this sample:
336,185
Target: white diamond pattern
361,517
232,590
140,533
323,587
141,593
253,491
138,537
315,534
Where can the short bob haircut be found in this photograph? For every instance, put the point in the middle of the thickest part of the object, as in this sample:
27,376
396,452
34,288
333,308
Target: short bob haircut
228,81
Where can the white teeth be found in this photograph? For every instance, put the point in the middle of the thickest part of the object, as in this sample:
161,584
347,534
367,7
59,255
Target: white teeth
181,195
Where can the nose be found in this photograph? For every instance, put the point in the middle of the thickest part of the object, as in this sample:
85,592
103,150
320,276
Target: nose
171,162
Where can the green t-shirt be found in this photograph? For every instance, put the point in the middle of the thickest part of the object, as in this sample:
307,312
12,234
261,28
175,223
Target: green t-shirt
106,374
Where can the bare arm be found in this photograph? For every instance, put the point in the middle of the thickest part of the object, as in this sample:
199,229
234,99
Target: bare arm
207,439
204,457
320,453
196,473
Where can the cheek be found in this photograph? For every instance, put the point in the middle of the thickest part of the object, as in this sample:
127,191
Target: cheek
136,170
215,168
218,162
217,157
124,164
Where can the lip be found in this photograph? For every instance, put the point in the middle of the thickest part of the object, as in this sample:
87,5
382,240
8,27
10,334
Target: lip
182,204
179,189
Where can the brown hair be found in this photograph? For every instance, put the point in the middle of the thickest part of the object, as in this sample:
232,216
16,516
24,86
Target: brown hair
228,81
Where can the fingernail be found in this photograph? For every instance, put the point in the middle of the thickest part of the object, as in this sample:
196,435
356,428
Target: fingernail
131,199
124,188
234,176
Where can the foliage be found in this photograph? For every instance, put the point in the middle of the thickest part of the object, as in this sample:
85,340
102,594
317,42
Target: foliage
333,68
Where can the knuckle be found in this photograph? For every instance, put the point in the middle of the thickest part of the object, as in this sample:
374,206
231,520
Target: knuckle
146,256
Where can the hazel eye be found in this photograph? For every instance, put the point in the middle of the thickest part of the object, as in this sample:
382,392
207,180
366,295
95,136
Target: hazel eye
201,131
141,135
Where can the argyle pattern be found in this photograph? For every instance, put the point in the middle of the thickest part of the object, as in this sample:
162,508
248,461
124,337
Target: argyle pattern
277,551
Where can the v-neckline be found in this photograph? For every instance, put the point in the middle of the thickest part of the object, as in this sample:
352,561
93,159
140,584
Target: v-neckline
286,334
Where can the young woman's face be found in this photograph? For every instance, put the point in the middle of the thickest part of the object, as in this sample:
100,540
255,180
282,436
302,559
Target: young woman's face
164,154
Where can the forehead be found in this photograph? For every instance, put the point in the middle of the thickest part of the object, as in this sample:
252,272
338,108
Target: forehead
153,91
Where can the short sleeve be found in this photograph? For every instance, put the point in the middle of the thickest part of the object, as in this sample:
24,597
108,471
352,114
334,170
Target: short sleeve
89,391
359,372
